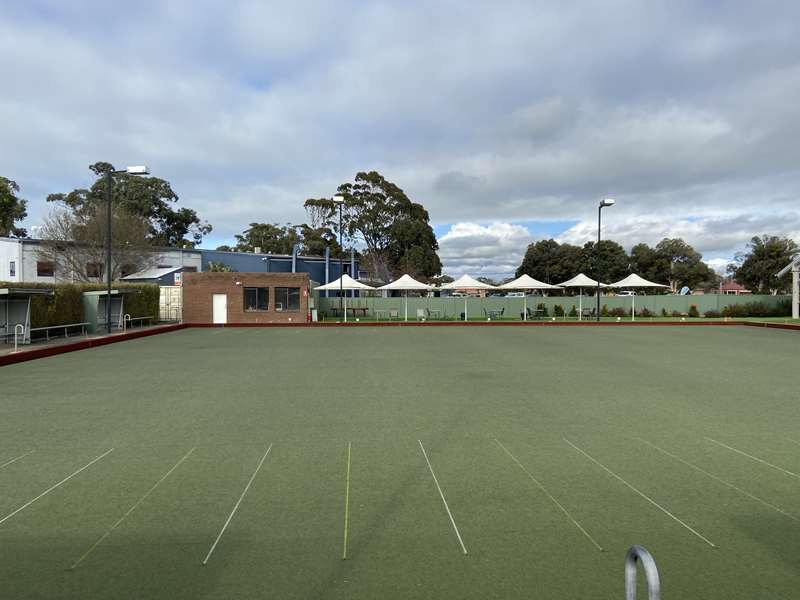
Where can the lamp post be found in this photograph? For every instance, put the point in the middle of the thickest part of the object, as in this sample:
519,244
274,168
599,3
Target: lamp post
340,201
109,177
604,202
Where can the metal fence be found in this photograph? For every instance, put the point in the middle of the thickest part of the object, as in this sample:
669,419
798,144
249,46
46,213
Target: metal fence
452,308
170,306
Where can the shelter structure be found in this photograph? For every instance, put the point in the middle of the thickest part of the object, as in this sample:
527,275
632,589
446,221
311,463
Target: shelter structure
15,311
581,281
465,282
406,283
794,267
632,282
94,308
344,283
526,282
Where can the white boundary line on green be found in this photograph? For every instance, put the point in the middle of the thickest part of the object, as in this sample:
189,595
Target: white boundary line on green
130,510
346,504
52,487
441,493
236,506
719,479
13,460
550,496
645,496
755,458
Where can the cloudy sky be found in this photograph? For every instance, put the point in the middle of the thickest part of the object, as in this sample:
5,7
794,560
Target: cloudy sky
507,120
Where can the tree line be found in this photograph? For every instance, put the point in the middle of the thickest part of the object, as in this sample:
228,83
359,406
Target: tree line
392,233
672,261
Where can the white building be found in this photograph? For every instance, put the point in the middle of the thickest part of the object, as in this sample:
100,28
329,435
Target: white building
20,262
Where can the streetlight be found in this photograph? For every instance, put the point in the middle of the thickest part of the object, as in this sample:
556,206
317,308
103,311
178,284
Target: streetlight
604,202
340,201
136,170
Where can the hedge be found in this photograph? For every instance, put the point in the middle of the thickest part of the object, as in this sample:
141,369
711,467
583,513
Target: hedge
758,309
66,304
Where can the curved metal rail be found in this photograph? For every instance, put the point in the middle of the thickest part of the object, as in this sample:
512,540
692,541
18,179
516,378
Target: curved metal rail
640,553
19,329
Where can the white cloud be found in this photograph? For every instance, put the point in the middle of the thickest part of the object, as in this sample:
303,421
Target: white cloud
489,250
485,116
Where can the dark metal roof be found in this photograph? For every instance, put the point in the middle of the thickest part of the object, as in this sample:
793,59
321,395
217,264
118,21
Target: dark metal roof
23,292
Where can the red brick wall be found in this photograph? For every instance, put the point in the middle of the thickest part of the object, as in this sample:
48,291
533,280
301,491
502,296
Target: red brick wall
199,288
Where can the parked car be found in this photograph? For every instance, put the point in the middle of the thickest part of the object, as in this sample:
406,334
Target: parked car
626,293
515,295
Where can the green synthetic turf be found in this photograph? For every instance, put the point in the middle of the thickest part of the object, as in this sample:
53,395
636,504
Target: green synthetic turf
230,393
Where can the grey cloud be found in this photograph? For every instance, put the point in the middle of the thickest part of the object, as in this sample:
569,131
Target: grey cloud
684,111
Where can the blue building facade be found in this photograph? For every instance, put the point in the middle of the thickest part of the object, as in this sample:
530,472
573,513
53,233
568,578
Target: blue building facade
321,269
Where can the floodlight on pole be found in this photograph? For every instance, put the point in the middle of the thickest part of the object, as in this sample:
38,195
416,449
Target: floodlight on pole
603,203
137,170
340,201
109,177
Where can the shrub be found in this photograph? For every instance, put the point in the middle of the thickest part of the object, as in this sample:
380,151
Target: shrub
646,312
758,309
676,313
573,312
693,311
558,310
664,312
604,311
619,312
712,314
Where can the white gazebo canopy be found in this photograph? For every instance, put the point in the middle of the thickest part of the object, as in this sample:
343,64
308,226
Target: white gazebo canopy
345,282
465,282
406,283
634,281
526,282
581,281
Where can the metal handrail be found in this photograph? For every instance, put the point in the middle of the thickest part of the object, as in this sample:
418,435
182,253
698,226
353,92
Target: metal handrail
640,553
65,327
18,328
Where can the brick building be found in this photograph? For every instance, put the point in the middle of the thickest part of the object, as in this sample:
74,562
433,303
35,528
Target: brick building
234,298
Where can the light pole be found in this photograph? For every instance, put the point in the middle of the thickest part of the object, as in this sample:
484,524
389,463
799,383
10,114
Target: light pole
109,177
604,202
340,201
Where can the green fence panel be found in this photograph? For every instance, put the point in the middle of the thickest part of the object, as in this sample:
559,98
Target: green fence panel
453,308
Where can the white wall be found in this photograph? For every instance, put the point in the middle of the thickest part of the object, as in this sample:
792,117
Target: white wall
30,256
9,251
